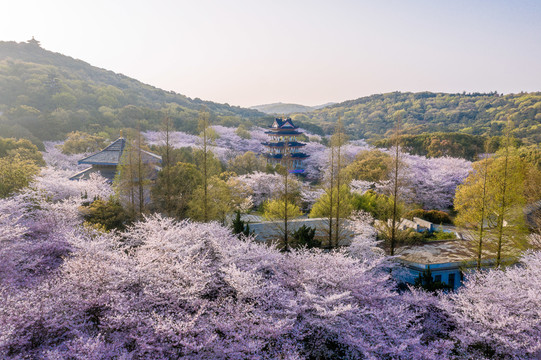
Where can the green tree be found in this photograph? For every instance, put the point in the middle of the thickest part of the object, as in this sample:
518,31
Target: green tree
370,165
491,195
81,142
184,179
132,181
167,192
110,214
207,136
15,174
305,236
395,181
434,216
380,206
280,212
247,163
219,201
21,148
338,140
509,192
242,132
239,226
327,206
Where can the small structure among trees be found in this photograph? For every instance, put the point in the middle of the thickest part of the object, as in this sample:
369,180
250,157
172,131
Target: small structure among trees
284,149
106,161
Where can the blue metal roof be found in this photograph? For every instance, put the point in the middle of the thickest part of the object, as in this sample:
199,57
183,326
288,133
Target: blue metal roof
283,124
293,156
280,132
282,144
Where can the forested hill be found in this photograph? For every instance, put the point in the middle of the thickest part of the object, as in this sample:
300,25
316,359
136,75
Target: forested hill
477,114
45,95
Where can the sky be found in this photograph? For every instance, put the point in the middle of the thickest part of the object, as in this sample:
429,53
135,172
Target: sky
308,52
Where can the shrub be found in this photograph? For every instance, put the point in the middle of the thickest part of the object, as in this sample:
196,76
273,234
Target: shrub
304,236
81,142
107,214
434,216
15,174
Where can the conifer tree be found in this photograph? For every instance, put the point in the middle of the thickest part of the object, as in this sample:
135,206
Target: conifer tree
206,140
482,217
510,191
124,182
339,139
133,175
167,128
395,179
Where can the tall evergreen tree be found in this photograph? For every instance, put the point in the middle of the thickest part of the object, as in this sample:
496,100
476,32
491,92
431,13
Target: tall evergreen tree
167,128
132,179
482,217
206,140
395,179
339,139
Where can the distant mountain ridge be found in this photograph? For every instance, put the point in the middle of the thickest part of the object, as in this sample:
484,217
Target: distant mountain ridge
287,108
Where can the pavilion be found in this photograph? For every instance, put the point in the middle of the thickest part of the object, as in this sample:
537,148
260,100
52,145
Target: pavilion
105,162
283,147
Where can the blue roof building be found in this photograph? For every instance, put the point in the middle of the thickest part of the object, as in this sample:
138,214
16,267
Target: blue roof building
283,147
105,162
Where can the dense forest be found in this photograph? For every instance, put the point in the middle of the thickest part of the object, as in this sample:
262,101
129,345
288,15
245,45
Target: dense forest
45,95
425,112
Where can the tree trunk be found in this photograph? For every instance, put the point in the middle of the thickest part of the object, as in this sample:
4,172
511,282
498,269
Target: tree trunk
331,189
482,225
338,182
503,203
395,188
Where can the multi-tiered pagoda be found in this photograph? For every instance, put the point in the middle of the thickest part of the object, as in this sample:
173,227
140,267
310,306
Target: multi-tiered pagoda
283,147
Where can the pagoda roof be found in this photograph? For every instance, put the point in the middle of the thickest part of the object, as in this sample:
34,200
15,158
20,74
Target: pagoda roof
292,156
283,124
111,155
282,144
282,132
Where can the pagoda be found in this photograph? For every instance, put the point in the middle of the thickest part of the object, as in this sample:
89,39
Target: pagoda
283,147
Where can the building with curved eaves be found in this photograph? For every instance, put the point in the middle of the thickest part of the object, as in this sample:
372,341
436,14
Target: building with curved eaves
284,147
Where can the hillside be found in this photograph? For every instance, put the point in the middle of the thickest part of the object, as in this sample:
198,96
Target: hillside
475,114
284,108
44,95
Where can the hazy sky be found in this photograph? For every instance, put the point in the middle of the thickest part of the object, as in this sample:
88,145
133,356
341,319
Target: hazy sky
309,52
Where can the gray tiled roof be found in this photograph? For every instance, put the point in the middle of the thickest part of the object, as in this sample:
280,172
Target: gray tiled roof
108,156
111,155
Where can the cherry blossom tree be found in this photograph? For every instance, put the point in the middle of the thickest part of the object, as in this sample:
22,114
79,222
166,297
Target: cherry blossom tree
263,186
54,158
166,289
56,183
498,312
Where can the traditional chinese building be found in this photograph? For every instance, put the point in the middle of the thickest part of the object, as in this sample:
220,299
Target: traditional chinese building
283,147
105,162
